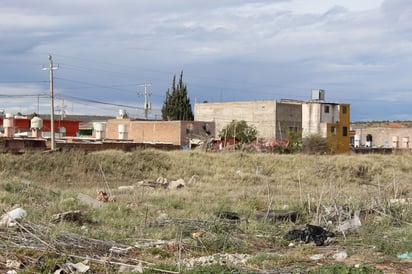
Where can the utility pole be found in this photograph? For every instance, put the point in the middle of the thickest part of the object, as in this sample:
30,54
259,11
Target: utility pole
146,94
50,69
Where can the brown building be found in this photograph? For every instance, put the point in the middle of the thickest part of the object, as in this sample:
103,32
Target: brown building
156,131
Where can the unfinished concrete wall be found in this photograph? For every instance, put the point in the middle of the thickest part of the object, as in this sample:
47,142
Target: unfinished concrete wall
289,118
387,137
260,114
311,117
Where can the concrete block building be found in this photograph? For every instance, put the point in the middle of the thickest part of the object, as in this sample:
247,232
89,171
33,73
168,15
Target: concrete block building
274,119
177,133
271,119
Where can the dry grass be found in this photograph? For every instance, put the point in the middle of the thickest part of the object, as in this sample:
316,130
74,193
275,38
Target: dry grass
46,184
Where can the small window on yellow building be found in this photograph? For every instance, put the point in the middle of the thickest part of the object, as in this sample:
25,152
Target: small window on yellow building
344,109
333,130
344,131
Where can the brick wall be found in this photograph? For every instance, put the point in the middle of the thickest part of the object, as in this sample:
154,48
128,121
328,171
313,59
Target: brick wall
173,132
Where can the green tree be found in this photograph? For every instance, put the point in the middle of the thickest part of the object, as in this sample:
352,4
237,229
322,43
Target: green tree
240,131
177,104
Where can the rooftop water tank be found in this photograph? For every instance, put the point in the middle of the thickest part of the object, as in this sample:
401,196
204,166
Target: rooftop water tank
9,121
122,129
36,123
318,95
99,126
122,113
100,129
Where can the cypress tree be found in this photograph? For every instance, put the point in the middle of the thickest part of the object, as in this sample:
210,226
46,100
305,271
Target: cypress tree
177,104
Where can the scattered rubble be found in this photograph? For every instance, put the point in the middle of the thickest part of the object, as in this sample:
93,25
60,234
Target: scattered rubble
176,184
162,182
195,179
86,199
73,216
223,259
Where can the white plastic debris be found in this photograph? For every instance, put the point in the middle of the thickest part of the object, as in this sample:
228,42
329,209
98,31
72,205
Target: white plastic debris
8,218
13,264
340,256
317,257
351,224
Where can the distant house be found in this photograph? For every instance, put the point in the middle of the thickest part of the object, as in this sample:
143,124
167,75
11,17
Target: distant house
274,119
271,119
392,135
329,120
22,125
177,133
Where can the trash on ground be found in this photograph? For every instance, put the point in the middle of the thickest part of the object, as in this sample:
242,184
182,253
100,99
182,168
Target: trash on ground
73,216
317,257
105,197
405,256
310,233
180,183
229,216
9,218
72,268
14,264
351,224
277,215
340,256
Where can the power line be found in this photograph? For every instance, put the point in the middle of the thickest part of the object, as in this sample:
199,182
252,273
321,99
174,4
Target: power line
74,98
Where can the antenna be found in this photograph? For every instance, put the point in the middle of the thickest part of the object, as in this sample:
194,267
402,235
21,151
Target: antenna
146,94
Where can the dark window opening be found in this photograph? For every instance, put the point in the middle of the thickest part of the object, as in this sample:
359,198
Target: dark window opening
345,131
326,109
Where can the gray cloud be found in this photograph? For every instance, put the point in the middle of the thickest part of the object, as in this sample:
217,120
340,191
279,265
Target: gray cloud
358,51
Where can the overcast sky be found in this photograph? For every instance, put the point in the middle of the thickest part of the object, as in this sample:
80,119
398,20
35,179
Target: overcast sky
358,51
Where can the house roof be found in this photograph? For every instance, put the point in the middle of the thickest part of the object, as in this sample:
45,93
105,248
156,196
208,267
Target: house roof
395,125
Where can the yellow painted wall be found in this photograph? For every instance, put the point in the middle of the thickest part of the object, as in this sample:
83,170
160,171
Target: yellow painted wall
338,133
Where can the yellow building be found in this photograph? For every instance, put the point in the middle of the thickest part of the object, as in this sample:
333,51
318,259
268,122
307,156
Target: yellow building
329,120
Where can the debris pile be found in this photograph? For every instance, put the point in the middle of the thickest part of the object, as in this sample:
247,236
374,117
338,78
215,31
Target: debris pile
310,233
162,182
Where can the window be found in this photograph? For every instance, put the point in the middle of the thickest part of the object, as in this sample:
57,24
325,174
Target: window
333,130
344,109
344,131
326,109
